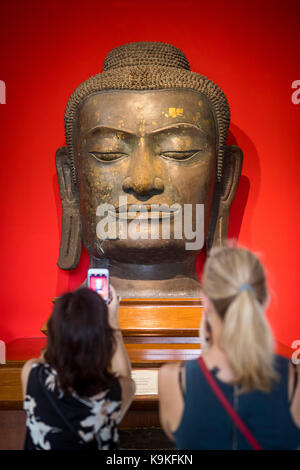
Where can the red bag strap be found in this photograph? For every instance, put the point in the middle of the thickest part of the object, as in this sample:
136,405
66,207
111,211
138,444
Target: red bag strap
225,403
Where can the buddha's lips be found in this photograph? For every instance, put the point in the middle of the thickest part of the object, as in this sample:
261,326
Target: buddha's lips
143,211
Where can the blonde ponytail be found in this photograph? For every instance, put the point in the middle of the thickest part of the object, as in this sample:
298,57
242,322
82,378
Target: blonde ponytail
234,280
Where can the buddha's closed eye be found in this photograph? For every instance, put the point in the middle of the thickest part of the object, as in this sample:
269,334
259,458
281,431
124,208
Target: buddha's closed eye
180,155
107,157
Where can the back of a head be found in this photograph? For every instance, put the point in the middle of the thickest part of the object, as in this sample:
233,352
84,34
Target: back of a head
235,282
81,342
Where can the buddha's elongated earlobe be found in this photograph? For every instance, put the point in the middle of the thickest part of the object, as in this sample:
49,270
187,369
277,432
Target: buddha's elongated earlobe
232,167
71,236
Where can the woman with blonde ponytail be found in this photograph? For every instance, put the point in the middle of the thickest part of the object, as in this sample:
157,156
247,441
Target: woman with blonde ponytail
260,387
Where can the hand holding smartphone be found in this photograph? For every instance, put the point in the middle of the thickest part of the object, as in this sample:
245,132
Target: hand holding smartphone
98,280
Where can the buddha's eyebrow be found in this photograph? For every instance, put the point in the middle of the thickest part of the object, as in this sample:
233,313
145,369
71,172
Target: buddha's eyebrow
178,126
100,129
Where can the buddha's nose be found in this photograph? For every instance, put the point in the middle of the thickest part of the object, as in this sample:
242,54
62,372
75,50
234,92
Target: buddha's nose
141,179
144,188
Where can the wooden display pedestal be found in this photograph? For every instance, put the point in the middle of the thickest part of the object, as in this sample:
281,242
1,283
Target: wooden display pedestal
155,331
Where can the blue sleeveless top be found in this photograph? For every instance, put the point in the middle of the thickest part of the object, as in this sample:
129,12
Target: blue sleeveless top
206,425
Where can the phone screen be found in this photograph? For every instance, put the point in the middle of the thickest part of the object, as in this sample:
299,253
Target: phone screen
99,283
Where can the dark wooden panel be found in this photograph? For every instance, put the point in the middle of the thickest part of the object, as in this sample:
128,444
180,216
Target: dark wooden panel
12,430
140,419
10,387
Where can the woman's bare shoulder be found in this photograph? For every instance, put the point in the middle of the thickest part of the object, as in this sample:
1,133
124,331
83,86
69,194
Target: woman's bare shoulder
27,368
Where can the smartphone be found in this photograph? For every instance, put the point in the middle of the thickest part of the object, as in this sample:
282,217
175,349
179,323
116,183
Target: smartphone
98,280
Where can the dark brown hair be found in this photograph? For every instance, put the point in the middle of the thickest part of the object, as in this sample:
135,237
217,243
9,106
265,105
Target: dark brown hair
81,342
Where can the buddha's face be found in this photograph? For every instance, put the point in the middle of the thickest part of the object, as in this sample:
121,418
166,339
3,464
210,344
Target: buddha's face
154,147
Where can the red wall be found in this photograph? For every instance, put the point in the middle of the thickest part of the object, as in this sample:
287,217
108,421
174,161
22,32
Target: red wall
251,49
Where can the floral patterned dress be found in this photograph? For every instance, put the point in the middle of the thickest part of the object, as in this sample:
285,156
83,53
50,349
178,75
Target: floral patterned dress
56,421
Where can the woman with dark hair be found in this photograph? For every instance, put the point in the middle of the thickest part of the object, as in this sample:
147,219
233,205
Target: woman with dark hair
239,394
78,391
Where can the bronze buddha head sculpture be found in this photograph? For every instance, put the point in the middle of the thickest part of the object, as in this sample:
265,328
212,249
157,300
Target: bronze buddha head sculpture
147,132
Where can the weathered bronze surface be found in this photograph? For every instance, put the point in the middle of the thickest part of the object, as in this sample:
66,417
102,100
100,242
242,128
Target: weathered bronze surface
149,129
